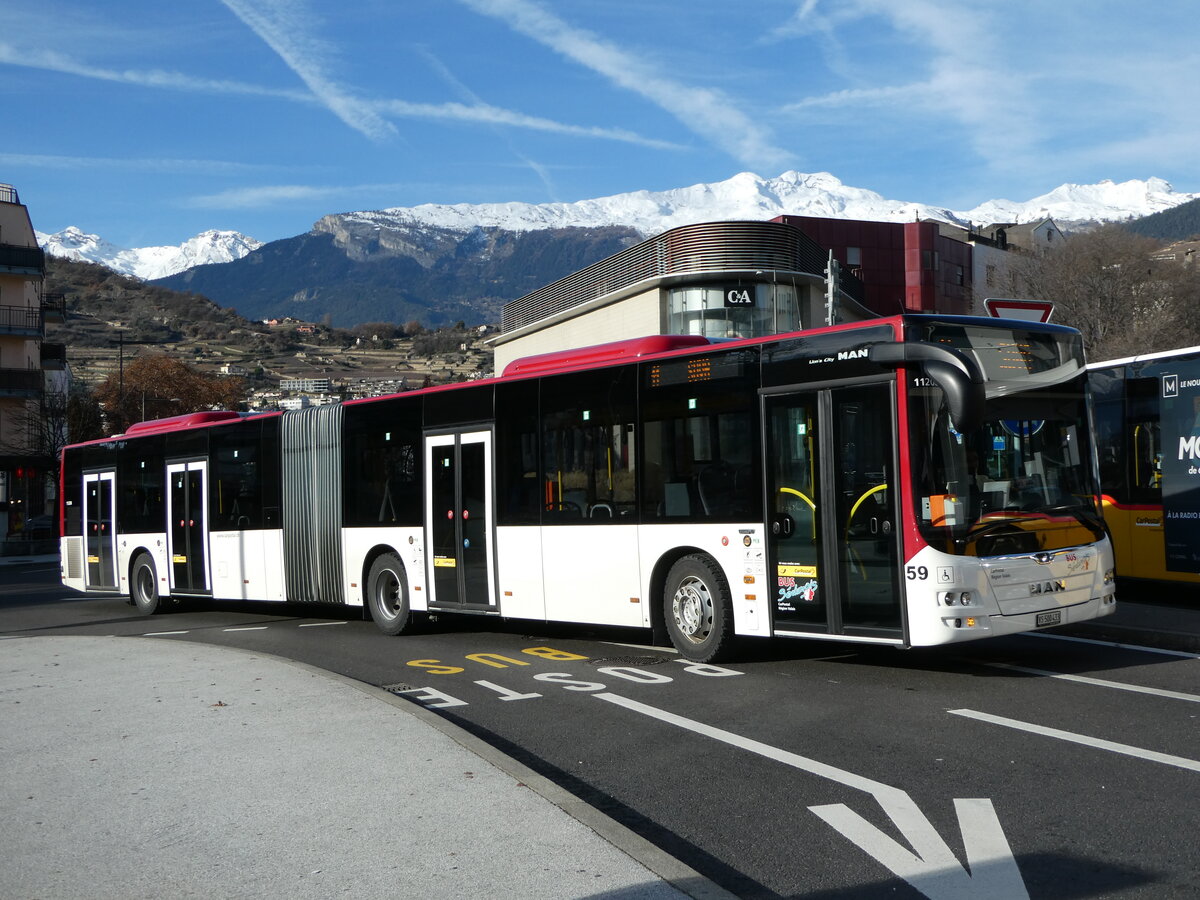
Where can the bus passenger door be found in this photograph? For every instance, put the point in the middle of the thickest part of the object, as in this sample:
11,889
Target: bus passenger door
187,536
458,519
833,540
864,480
100,530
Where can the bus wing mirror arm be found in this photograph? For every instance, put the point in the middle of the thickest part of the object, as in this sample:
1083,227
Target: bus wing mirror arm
957,375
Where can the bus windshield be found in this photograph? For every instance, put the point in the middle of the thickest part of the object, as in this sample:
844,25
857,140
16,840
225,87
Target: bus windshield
1024,480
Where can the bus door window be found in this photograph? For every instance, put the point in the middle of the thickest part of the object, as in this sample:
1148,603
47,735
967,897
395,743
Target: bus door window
867,539
793,526
188,520
99,522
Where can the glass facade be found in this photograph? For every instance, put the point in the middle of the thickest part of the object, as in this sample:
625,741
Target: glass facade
733,311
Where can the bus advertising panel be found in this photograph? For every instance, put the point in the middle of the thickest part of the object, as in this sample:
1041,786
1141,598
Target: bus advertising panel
1179,420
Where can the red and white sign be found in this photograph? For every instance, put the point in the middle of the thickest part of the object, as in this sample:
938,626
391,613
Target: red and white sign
1029,310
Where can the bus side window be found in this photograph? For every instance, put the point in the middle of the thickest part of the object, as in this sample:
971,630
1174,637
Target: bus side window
588,452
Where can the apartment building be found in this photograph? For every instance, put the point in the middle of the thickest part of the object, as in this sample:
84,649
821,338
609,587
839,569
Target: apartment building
33,376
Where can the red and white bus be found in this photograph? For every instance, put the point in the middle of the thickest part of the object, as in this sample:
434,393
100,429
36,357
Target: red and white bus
907,481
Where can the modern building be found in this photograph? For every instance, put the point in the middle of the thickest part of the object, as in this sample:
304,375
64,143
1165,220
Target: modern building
748,279
904,266
717,279
33,376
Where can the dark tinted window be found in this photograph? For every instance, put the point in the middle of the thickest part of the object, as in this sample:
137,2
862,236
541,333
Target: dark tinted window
235,480
519,489
382,459
140,483
700,440
588,448
458,406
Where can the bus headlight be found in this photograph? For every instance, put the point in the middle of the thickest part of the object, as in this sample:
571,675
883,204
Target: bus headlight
1110,575
956,598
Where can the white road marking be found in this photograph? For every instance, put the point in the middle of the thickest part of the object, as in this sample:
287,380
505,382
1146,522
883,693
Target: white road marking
933,869
1099,682
1085,740
247,628
1079,640
319,624
161,633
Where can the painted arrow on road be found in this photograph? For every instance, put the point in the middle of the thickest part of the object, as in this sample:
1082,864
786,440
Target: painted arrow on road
932,869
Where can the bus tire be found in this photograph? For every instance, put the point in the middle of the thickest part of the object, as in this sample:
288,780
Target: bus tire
143,585
697,609
387,595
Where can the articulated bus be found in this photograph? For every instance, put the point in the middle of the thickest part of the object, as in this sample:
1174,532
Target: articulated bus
1147,411
906,481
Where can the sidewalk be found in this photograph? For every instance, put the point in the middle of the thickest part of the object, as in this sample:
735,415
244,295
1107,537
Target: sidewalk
142,769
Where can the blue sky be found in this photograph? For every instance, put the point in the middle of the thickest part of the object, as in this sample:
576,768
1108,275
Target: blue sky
147,122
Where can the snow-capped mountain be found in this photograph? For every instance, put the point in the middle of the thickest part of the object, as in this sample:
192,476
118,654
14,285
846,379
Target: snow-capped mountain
149,262
747,196
744,196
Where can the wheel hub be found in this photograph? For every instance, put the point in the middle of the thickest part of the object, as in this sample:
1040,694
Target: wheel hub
693,609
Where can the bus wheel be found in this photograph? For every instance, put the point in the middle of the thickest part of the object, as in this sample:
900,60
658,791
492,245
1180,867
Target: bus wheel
697,609
387,594
144,580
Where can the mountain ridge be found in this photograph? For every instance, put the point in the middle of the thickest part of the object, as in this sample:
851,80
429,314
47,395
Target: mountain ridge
744,196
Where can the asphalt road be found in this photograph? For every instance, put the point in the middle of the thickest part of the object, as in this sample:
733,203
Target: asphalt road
1030,765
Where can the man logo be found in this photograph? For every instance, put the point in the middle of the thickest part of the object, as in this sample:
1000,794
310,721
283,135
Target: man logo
1047,587
852,354
1170,385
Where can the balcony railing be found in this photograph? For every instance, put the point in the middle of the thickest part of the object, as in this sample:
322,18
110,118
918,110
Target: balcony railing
22,260
8,194
27,320
54,306
21,382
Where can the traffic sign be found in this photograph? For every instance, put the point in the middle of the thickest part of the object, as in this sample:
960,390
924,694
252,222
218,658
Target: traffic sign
1029,310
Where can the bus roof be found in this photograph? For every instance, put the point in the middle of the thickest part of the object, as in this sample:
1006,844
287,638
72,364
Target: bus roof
187,420
613,351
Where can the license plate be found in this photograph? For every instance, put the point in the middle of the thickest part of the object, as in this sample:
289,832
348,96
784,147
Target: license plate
1049,618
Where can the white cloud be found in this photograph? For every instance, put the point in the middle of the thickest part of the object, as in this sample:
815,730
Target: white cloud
50,61
705,111
283,194
136,164
287,30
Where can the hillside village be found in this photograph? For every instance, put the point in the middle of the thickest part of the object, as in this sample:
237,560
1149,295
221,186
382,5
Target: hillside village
113,319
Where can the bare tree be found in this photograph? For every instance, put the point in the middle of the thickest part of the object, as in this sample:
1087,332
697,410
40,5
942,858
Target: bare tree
153,387
1106,283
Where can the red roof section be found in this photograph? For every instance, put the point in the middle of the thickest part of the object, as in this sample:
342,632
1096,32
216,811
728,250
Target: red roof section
187,420
614,351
